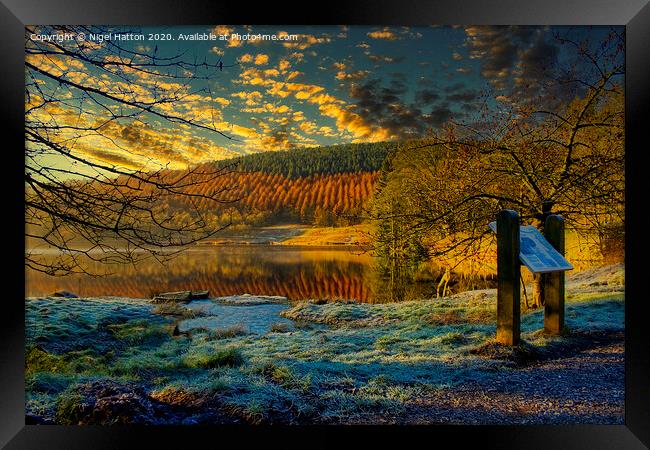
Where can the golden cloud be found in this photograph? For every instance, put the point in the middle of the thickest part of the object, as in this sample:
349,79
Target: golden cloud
217,51
284,65
304,41
261,59
384,33
245,58
223,30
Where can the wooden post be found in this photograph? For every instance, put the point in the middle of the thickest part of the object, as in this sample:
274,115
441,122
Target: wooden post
554,281
508,274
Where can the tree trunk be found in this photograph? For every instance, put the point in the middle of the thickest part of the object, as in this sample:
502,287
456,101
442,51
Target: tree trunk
538,278
538,290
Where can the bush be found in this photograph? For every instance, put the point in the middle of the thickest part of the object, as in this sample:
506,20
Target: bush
279,327
228,332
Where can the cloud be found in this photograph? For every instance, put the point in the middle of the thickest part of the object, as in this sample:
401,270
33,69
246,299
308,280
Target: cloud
463,96
261,59
305,41
426,96
385,59
245,58
496,46
251,98
383,103
385,34
438,116
346,120
455,87
356,75
284,65
223,30
514,59
354,123
217,51
222,101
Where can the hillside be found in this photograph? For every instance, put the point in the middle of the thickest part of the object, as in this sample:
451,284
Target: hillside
326,186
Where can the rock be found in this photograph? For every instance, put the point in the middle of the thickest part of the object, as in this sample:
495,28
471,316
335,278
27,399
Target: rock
251,300
181,296
199,295
66,294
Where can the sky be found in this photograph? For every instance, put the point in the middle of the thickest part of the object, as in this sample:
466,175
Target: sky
332,85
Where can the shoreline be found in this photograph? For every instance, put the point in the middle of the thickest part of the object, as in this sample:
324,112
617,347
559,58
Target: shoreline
416,362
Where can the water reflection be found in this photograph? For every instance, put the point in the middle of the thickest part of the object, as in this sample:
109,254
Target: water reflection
297,274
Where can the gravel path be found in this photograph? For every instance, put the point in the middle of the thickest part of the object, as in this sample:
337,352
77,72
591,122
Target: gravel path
585,387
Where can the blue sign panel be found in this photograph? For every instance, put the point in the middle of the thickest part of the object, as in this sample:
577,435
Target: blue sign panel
536,253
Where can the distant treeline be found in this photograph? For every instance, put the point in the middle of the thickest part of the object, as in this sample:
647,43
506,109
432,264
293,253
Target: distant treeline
304,162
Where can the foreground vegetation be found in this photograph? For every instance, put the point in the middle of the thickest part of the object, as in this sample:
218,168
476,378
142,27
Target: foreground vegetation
116,360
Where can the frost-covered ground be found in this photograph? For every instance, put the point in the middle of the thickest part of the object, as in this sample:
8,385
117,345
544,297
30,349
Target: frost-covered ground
115,360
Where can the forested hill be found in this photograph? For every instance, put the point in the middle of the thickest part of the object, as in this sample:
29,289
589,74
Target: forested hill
318,185
303,162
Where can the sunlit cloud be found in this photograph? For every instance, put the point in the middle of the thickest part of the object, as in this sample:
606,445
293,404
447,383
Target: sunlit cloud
384,33
305,41
261,59
217,51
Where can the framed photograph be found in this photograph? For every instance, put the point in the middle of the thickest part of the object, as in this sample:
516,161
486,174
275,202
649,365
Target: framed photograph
382,217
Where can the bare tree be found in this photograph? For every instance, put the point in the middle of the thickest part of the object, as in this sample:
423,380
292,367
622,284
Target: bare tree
540,158
100,176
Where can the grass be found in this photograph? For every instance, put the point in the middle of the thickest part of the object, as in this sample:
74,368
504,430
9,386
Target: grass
68,408
173,309
229,357
325,236
228,332
139,332
178,396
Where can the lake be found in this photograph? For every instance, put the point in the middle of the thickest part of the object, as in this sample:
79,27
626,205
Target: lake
298,273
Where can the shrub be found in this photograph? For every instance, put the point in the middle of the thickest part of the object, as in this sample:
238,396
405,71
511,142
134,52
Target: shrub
279,327
228,332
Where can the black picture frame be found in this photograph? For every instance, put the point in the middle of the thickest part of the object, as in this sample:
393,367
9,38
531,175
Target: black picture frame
634,14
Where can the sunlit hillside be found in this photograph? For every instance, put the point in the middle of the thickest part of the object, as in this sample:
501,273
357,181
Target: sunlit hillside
322,186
